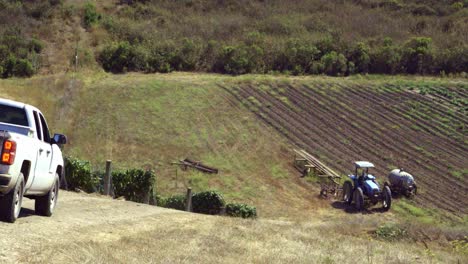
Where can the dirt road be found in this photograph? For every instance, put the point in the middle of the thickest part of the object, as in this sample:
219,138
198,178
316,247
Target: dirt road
79,218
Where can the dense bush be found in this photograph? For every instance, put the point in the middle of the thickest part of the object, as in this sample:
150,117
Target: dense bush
386,58
177,202
241,210
209,202
334,64
79,176
17,55
418,55
134,184
90,16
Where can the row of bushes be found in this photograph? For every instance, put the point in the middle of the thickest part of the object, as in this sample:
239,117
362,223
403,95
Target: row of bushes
138,185
331,57
209,202
134,184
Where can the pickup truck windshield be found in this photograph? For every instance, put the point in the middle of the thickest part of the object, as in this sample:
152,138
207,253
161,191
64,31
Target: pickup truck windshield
13,115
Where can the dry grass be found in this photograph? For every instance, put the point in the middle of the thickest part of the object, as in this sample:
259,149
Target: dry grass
185,238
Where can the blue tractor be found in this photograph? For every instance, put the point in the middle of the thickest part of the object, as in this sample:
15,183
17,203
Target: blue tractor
364,188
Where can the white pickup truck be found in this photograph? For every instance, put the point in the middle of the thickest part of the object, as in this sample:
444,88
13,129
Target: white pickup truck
31,162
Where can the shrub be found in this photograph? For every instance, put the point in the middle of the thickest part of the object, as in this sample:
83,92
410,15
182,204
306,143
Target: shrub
334,64
418,55
386,59
209,202
360,58
298,56
239,59
23,68
116,57
79,176
241,210
91,16
177,202
134,184
35,45
186,58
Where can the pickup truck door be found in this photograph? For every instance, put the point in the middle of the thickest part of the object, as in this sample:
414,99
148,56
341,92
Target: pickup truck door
42,174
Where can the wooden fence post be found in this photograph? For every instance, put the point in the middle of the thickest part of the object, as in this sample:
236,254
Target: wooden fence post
108,178
189,200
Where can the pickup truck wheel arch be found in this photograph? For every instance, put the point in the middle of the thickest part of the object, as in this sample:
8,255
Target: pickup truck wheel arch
25,169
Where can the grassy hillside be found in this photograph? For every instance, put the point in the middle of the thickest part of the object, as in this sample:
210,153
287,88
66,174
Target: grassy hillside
148,121
152,120
236,37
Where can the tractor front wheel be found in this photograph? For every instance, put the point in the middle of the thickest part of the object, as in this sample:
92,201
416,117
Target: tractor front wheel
387,198
359,199
348,192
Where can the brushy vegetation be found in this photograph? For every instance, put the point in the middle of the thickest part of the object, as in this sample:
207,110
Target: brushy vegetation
208,202
79,176
241,210
259,38
134,184
236,37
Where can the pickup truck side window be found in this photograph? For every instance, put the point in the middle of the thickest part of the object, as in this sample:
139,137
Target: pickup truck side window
45,129
13,115
38,127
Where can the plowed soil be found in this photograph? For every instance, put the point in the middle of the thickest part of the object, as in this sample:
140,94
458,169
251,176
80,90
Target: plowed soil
389,125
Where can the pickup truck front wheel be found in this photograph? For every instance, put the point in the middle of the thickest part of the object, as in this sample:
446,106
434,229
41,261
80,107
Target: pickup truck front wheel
46,204
10,204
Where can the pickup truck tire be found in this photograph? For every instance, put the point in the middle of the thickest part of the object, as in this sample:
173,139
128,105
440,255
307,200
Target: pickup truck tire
10,204
46,204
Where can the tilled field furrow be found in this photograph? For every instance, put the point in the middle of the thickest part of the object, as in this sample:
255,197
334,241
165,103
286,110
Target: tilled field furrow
276,124
443,109
350,129
344,124
395,114
391,148
432,126
436,164
292,123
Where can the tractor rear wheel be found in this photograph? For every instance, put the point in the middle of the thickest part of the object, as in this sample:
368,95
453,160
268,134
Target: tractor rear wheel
359,199
387,198
348,192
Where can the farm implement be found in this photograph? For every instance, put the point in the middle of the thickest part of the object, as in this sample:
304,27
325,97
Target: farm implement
308,164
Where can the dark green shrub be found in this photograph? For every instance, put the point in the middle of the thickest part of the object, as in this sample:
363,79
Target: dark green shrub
209,202
334,64
79,176
116,57
418,55
23,68
35,45
386,59
161,56
241,210
298,57
453,60
186,57
91,16
135,184
359,55
177,202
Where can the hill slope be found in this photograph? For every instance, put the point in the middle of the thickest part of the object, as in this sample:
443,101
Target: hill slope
91,229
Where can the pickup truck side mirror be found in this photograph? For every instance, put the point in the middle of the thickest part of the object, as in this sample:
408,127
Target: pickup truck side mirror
59,139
